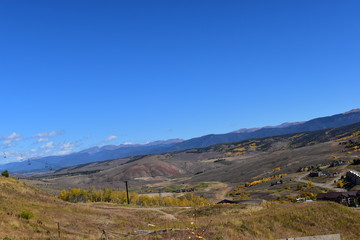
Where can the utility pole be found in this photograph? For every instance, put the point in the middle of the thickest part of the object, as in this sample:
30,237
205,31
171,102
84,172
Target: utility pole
127,192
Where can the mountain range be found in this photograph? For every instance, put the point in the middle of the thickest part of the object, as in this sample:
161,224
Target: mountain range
109,152
337,120
93,154
228,163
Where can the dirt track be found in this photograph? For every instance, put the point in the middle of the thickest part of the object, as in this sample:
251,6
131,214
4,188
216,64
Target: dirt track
165,215
323,185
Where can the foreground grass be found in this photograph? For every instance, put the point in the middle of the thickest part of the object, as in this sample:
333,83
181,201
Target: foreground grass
274,222
27,213
288,220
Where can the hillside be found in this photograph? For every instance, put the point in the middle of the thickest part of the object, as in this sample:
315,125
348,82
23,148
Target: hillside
229,163
27,213
279,221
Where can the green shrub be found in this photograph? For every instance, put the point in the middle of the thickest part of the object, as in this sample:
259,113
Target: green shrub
5,173
26,214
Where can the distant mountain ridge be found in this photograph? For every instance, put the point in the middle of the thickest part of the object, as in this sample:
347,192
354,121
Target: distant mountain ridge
337,120
283,125
92,154
109,152
226,162
96,149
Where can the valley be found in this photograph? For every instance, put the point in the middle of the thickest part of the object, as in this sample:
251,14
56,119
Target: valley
231,164
179,120
174,195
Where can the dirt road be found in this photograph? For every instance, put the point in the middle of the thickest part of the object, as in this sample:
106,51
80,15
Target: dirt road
165,215
323,185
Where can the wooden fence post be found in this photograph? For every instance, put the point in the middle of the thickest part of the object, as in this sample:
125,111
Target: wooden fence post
103,233
58,227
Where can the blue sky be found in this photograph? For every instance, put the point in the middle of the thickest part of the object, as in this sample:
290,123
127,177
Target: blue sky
75,74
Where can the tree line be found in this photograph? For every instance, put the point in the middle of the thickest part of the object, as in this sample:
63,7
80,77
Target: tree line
119,197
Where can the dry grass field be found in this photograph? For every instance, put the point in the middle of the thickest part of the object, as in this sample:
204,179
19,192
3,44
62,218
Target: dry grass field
28,213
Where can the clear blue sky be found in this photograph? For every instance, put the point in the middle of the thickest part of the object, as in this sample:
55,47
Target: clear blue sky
75,74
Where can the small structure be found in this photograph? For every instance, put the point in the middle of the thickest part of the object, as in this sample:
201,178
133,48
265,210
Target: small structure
319,173
353,176
315,174
277,182
350,198
336,163
356,161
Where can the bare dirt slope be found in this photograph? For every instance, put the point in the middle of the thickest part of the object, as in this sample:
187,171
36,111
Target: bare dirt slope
160,168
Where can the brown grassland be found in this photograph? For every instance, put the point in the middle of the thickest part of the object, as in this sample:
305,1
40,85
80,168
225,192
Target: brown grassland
28,213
